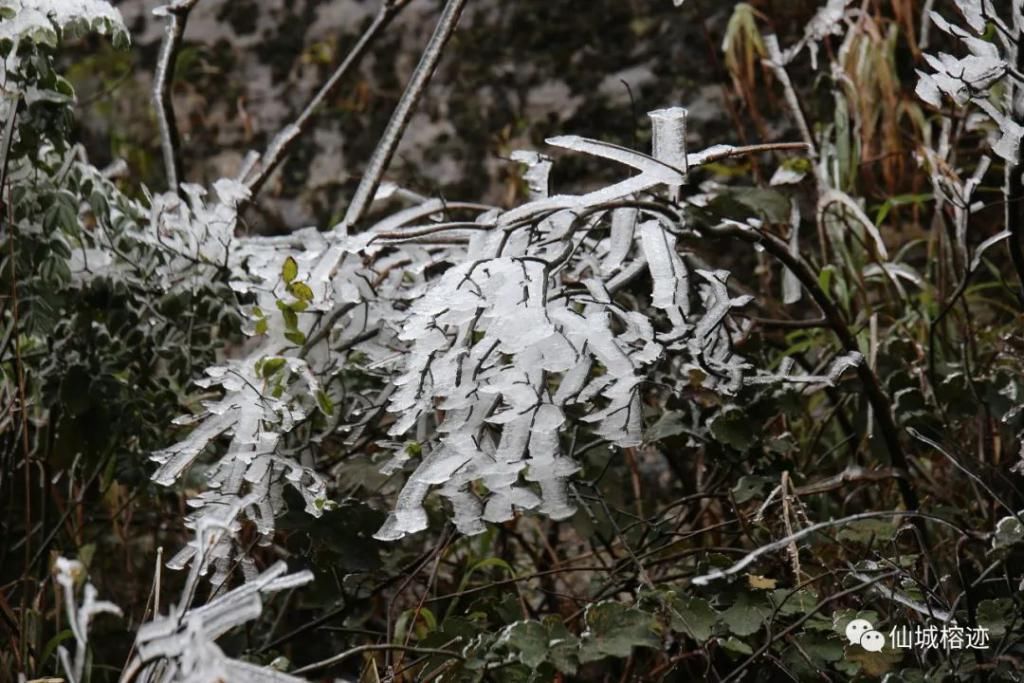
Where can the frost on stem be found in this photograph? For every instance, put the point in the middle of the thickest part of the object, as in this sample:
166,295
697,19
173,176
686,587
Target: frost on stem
69,573
182,645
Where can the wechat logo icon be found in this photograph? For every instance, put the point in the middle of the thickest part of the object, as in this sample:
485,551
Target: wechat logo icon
861,632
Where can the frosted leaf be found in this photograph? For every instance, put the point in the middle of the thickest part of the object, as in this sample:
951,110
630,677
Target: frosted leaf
538,170
832,197
653,169
973,14
792,290
786,176
668,131
40,20
68,575
181,645
826,22
671,280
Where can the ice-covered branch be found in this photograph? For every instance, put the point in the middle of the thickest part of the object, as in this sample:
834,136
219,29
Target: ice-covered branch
381,158
163,81
281,144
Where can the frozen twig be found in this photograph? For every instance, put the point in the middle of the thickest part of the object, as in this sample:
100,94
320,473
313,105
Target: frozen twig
400,118
281,144
170,141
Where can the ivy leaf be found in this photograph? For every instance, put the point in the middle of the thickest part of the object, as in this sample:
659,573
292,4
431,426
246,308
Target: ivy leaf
531,641
798,602
734,428
693,616
748,488
614,630
270,366
669,424
995,615
746,615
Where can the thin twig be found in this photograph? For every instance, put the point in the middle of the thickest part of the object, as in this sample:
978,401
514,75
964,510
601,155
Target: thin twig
400,118
282,143
782,543
342,656
170,141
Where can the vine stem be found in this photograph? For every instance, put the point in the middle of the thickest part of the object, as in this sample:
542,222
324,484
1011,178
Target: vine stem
381,158
170,140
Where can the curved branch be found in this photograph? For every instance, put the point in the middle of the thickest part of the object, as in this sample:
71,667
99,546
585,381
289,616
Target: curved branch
170,140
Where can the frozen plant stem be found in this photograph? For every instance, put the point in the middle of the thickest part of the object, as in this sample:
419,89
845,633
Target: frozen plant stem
170,141
282,143
400,118
1015,170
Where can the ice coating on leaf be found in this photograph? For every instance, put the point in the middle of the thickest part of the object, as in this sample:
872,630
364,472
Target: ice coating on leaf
538,170
654,169
826,22
80,616
486,352
39,20
668,132
970,79
671,279
833,197
181,645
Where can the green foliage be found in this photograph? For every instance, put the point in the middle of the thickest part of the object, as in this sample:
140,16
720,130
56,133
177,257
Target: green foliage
100,353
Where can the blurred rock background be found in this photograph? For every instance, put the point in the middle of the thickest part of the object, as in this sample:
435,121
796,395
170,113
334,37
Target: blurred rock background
515,73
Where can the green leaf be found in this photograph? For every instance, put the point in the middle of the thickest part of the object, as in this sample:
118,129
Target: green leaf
749,487
291,318
289,270
874,663
270,366
693,616
734,428
669,424
301,291
995,615
295,337
614,630
746,615
325,403
867,530
531,640
799,602
737,646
